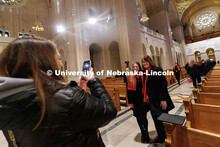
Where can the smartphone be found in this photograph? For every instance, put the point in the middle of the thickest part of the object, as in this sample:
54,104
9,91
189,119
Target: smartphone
86,67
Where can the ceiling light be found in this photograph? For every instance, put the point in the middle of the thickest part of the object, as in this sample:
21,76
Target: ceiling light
144,18
92,20
60,29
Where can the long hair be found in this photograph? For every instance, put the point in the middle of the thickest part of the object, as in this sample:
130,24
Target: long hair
31,58
193,62
132,76
148,59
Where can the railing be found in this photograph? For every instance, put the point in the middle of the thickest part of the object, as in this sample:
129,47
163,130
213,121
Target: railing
177,43
151,32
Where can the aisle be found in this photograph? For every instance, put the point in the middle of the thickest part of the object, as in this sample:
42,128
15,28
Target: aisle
124,130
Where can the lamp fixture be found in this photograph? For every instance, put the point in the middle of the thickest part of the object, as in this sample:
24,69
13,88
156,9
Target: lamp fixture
144,18
38,26
60,29
92,20
20,35
6,34
12,3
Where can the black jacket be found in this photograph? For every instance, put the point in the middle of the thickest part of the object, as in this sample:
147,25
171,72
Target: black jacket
157,92
73,114
195,71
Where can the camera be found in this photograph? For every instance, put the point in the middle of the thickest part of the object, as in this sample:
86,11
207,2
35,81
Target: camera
127,63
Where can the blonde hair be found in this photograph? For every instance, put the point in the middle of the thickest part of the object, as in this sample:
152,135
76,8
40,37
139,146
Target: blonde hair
193,62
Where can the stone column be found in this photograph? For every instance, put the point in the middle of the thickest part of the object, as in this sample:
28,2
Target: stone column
161,23
179,35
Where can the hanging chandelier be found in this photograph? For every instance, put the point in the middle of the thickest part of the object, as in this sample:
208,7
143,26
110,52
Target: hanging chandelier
144,18
38,26
12,3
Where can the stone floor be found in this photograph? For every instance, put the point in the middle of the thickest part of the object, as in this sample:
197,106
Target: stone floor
124,131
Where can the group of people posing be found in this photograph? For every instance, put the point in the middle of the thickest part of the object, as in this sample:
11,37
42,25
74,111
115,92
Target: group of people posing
148,93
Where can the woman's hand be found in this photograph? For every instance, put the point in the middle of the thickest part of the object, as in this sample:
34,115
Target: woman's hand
82,84
90,75
163,104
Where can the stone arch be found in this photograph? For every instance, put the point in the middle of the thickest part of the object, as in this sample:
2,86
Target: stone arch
95,52
144,50
115,60
161,58
157,57
152,53
197,56
211,53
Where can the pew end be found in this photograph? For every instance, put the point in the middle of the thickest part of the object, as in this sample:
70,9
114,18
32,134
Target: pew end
199,86
188,108
195,93
199,138
176,135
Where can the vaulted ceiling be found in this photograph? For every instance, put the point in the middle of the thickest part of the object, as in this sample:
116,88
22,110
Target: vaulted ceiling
179,10
153,6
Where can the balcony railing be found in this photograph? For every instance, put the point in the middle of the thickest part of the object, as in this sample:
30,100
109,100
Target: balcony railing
151,32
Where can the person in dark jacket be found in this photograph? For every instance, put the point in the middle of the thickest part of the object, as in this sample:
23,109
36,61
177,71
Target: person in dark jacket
204,69
187,68
39,109
125,77
176,70
139,105
195,73
157,93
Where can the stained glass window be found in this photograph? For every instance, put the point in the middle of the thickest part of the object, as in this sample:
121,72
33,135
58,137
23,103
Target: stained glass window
206,19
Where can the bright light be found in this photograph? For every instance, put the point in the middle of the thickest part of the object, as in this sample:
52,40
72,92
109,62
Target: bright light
60,29
92,20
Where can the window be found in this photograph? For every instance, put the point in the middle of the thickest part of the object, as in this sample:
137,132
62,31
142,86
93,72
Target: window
206,19
58,6
6,34
0,32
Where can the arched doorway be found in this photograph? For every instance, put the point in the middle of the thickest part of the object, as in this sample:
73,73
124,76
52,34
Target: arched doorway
210,53
152,53
114,54
161,58
95,52
157,57
197,56
144,50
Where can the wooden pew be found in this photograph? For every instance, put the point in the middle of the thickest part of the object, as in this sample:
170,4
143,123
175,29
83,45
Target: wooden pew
213,79
180,136
202,127
176,135
213,89
199,138
114,94
122,91
208,83
208,98
202,116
